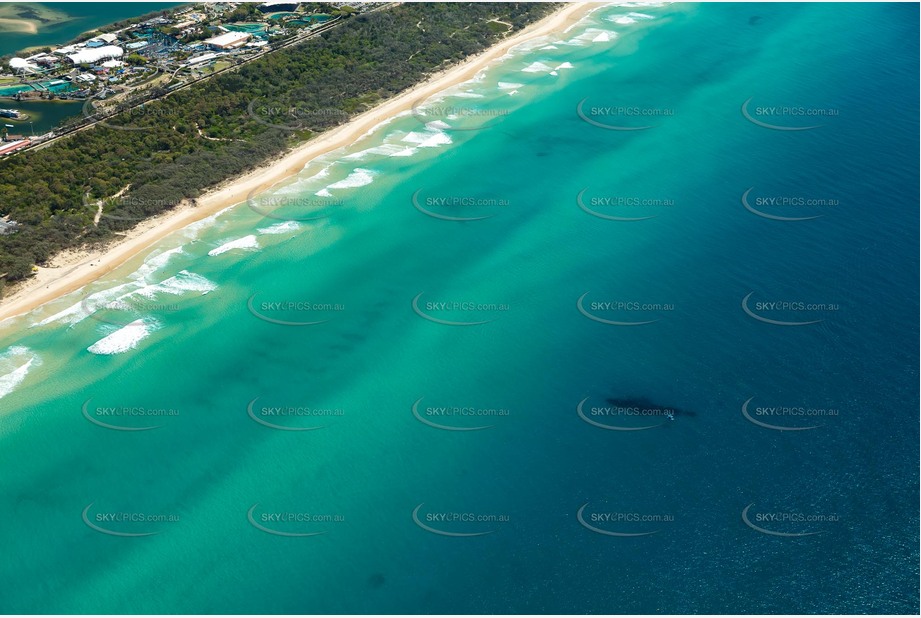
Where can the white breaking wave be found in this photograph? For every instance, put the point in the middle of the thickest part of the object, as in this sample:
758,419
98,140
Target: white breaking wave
522,49
565,65
406,152
466,95
280,228
388,150
437,125
428,139
536,67
10,381
298,187
358,178
592,35
124,339
509,85
154,263
247,243
87,305
373,130
72,315
15,364
184,281
191,230
430,125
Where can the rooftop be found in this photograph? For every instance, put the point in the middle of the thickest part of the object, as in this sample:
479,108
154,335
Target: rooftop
228,38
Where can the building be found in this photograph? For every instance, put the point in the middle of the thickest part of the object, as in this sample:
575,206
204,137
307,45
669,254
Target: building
67,49
101,40
12,146
200,59
46,61
228,40
136,45
94,55
21,65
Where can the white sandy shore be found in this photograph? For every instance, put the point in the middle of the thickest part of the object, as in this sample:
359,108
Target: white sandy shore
72,270
17,25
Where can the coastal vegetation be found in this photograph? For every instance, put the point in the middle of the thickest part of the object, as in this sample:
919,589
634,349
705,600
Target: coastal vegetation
176,147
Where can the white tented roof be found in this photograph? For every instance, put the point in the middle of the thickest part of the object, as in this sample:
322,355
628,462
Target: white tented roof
228,38
90,55
21,64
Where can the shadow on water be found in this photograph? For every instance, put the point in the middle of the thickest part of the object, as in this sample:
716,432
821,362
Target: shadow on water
646,404
376,580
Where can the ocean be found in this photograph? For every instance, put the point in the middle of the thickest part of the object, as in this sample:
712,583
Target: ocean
625,324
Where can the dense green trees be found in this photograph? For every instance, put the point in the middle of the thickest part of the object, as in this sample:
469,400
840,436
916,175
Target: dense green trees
244,12
251,115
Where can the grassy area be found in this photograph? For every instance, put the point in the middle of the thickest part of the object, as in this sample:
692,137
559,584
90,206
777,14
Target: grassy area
160,80
153,78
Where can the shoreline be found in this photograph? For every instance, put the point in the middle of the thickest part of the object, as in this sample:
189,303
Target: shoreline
74,269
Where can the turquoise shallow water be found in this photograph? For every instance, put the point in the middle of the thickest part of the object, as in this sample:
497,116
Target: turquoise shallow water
359,243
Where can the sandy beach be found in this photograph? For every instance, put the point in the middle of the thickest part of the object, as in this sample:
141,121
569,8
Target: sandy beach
17,25
72,270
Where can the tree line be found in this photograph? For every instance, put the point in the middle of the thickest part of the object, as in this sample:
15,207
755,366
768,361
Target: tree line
175,148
